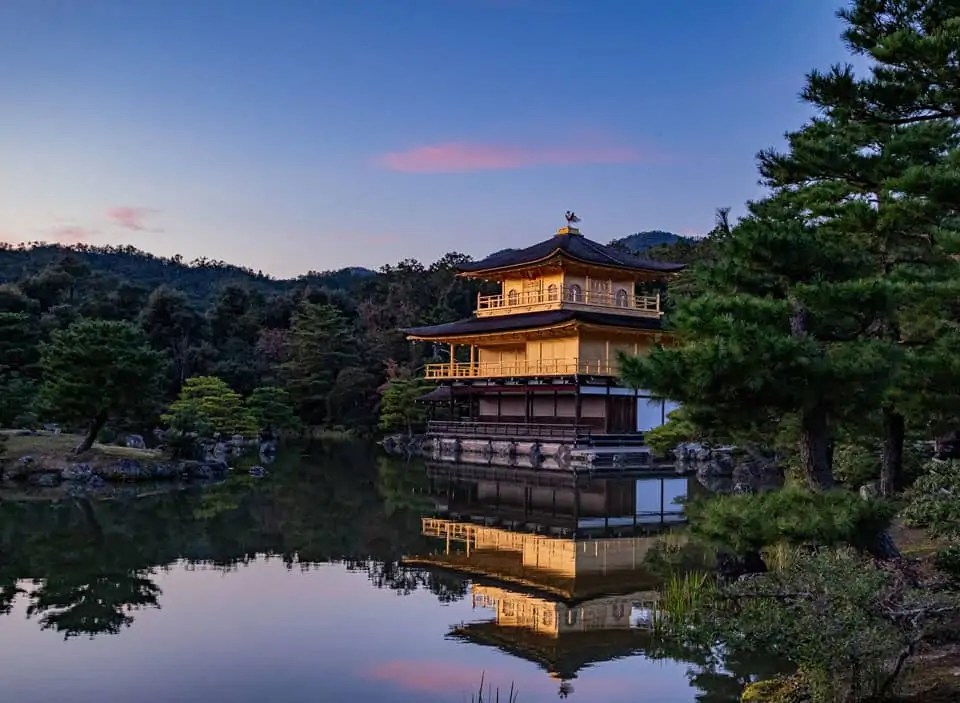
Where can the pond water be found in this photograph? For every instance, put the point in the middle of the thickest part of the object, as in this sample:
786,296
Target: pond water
348,576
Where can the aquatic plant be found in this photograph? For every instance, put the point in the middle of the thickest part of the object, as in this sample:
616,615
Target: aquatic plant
493,696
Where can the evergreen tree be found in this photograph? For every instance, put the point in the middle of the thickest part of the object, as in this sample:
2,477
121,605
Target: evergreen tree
875,165
174,327
97,370
352,397
273,410
206,405
398,407
320,346
772,336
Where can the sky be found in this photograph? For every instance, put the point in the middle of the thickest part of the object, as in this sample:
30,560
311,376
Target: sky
296,135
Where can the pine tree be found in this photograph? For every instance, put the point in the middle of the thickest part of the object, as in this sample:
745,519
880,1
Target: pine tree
772,336
399,409
207,405
879,164
320,346
96,370
273,410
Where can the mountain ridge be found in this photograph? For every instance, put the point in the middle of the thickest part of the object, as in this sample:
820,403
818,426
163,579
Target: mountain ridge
200,278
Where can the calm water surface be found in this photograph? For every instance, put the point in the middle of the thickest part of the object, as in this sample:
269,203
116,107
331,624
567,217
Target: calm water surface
347,577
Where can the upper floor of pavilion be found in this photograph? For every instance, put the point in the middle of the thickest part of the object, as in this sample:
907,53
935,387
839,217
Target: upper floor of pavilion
569,272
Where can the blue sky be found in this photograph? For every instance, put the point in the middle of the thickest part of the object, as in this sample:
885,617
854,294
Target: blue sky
289,135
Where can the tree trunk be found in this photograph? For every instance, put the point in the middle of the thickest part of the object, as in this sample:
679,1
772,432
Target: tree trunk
891,462
815,450
98,422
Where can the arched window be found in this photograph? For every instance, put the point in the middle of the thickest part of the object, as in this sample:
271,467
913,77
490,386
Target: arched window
576,293
552,292
622,298
513,297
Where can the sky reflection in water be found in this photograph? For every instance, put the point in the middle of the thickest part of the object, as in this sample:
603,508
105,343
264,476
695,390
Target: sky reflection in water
266,631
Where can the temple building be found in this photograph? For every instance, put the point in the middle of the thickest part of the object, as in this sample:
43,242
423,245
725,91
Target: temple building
543,351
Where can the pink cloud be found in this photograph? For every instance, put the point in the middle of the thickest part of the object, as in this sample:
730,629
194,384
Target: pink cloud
462,157
130,217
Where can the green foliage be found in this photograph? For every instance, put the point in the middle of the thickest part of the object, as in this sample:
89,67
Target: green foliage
349,400
676,430
19,343
747,523
832,613
95,371
934,501
398,407
17,399
857,463
323,337
947,560
206,405
769,336
320,346
273,410
174,327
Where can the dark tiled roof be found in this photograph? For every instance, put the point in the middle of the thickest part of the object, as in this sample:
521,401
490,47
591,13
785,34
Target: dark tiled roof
437,394
576,246
509,323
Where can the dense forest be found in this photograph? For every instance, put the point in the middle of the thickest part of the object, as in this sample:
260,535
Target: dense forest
330,339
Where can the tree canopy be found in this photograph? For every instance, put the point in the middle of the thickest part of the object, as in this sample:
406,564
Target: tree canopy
96,370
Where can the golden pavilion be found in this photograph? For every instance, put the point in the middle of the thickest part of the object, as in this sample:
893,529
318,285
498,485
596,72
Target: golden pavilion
542,352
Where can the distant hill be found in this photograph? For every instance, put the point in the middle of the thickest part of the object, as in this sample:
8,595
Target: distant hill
200,278
641,241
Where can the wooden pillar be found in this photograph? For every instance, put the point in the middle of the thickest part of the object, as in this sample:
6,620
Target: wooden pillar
556,398
526,405
473,360
453,350
499,412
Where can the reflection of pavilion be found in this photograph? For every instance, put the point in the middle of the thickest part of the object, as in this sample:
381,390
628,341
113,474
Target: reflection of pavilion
561,638
559,559
558,503
566,568
563,603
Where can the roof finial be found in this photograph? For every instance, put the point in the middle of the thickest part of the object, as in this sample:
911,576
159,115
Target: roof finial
571,219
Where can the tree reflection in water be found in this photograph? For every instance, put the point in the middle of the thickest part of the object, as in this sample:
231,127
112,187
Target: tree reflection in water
84,567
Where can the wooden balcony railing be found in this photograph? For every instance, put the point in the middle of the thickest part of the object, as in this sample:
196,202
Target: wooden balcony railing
555,297
523,368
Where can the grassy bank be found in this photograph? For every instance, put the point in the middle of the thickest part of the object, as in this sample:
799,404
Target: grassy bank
55,451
